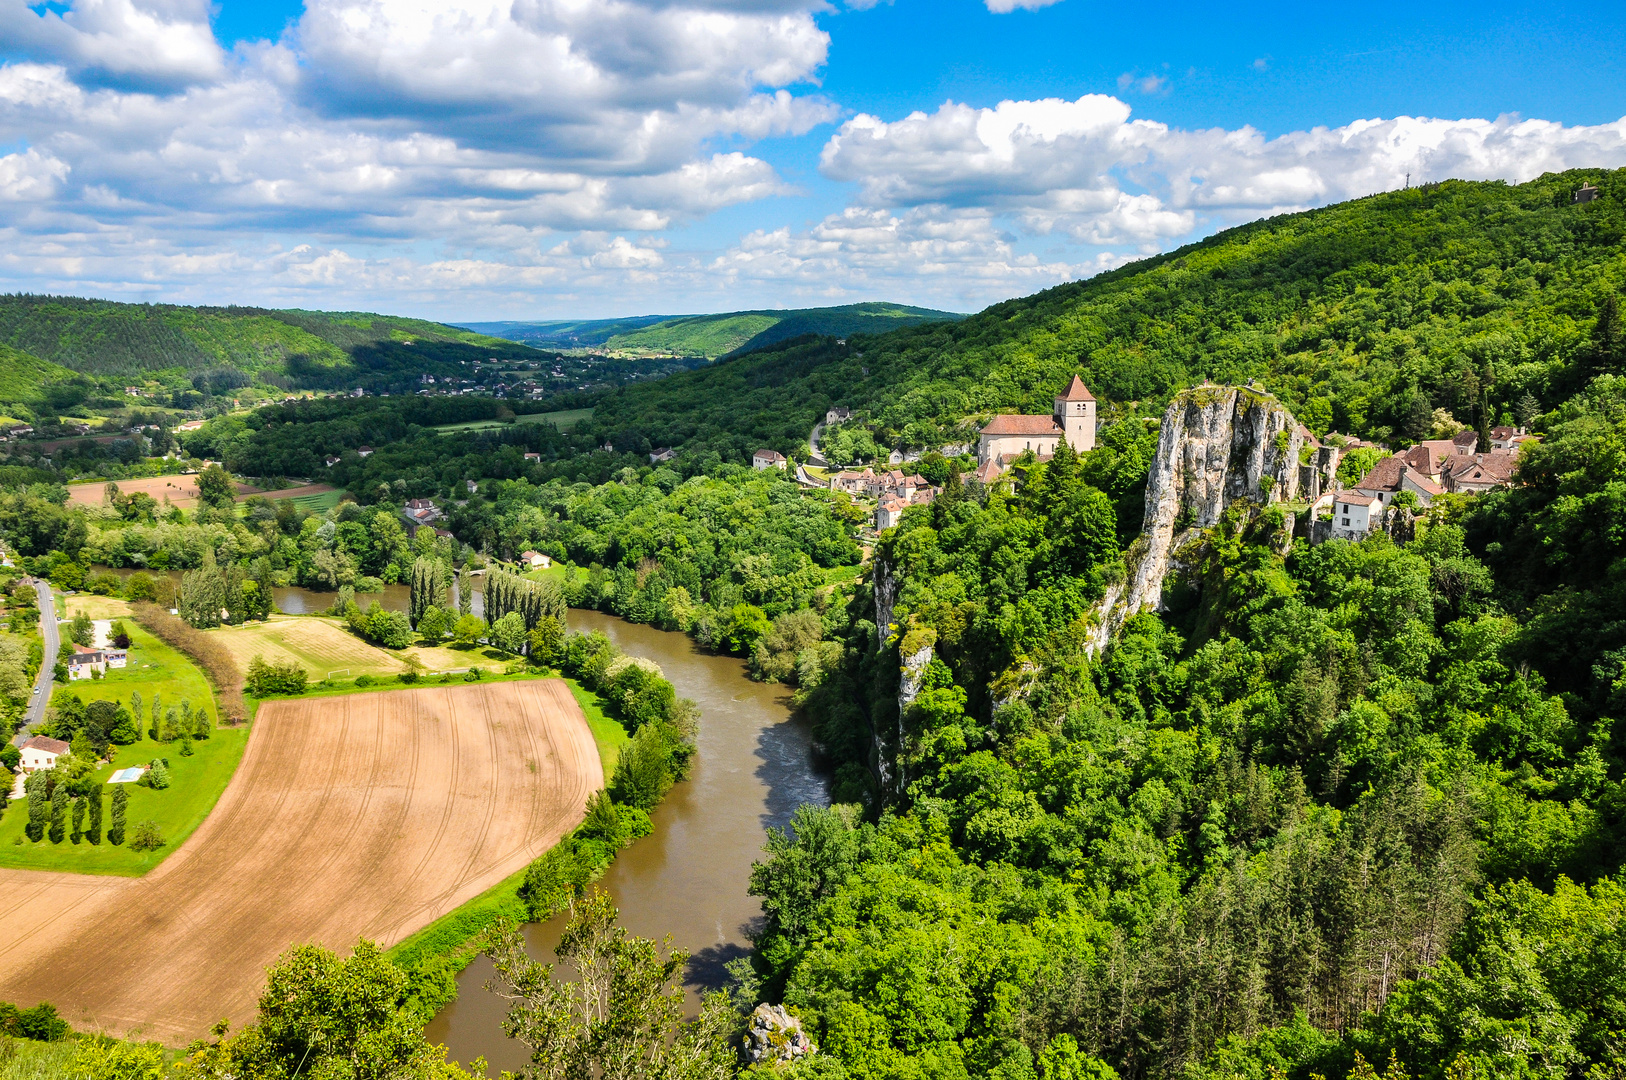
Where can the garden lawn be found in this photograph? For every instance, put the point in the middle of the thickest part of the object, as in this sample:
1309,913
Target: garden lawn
195,782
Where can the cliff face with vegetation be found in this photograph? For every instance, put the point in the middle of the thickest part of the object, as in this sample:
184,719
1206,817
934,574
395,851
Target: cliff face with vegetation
1361,317
1218,446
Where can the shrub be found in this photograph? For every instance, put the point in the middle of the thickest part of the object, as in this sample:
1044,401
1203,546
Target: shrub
409,677
140,587
472,675
364,680
146,836
40,1023
157,775
643,773
266,679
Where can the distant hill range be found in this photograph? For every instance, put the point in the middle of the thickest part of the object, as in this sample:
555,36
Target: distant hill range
309,348
712,336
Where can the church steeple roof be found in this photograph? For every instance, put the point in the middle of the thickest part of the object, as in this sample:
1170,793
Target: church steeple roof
1077,391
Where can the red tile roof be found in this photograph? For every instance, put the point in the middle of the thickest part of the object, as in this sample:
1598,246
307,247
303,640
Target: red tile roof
1356,499
49,745
1497,467
1077,391
1022,425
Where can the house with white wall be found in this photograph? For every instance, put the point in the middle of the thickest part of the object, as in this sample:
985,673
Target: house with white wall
1352,514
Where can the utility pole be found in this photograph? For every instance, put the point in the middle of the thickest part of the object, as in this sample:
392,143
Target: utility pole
1408,181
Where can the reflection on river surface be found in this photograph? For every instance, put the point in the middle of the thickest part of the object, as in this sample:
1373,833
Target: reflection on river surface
688,878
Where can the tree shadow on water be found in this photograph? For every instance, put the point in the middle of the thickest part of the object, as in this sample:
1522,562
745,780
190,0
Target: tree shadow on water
707,969
787,766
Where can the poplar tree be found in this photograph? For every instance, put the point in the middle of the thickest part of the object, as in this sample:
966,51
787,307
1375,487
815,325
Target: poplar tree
93,832
38,787
465,594
121,799
78,819
59,812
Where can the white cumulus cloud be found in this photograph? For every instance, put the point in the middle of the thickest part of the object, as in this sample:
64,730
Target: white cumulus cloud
1088,169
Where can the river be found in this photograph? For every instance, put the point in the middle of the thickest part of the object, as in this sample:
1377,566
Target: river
687,879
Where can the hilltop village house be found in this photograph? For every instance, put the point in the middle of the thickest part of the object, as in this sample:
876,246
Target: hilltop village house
1427,470
767,459
1007,437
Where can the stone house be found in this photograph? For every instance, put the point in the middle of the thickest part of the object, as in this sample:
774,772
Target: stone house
855,482
1352,514
1072,420
1393,475
660,454
1482,472
838,415
767,459
890,510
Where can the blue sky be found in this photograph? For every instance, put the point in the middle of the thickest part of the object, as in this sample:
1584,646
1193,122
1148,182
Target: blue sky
480,159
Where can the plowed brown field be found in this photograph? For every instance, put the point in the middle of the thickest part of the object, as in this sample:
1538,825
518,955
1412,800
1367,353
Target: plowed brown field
369,815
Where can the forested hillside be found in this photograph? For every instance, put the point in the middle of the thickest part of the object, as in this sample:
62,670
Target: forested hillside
308,348
716,335
1363,317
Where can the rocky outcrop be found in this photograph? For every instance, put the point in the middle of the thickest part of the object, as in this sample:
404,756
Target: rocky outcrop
1219,445
774,1036
914,653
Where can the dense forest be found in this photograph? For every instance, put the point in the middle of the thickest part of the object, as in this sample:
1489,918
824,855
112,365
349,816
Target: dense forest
1363,317
714,335
307,348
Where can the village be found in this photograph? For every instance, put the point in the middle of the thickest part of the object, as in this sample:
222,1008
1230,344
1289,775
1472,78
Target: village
1377,500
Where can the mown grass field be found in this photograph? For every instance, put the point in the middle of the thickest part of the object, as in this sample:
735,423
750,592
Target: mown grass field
97,607
561,420
320,645
196,782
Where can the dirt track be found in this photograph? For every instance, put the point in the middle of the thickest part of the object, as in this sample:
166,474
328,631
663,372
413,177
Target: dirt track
368,815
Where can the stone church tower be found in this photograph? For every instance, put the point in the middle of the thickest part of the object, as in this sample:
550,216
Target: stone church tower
1075,415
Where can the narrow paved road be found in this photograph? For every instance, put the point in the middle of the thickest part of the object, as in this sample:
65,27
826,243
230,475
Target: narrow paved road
42,686
813,455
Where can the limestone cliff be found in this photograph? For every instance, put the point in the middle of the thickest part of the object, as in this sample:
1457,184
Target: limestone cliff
1219,445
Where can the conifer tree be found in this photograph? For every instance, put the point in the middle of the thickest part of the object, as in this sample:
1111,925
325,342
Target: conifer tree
121,799
78,820
59,812
93,830
38,787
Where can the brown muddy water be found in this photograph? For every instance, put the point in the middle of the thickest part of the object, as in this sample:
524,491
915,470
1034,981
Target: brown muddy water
687,879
